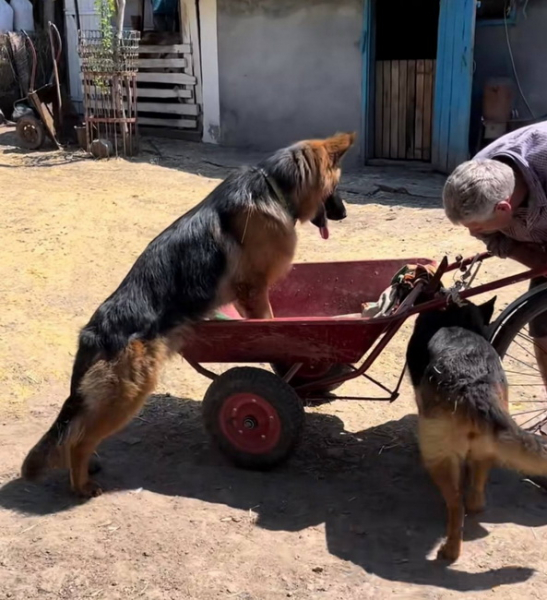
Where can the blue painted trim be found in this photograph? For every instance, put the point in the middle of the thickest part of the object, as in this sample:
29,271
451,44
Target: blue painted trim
463,84
453,83
367,58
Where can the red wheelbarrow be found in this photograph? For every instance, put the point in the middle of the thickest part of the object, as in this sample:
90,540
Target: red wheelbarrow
255,416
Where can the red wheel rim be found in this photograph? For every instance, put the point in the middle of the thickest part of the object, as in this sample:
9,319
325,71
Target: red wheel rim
250,423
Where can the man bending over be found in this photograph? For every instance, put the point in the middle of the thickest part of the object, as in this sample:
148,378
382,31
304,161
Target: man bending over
501,197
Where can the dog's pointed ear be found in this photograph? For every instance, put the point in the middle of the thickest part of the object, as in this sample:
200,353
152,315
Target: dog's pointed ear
338,145
487,310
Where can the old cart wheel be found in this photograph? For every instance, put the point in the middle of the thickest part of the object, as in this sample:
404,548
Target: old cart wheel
31,132
253,416
512,340
313,372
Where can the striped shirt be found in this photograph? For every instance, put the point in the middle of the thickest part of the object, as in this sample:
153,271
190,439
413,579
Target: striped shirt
526,149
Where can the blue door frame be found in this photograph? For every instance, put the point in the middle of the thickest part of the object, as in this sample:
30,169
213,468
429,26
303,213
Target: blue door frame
453,83
367,89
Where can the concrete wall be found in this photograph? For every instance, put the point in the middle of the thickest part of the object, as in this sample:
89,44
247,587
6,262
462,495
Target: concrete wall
288,69
528,39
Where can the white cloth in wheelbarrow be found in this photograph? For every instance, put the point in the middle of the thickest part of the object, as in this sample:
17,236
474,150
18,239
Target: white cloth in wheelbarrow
402,283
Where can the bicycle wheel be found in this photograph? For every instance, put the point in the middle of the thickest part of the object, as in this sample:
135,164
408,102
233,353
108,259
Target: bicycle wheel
511,338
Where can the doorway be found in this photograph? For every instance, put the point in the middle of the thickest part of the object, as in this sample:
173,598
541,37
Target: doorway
405,53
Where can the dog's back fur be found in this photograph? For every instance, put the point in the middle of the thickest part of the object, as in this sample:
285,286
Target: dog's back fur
462,397
229,248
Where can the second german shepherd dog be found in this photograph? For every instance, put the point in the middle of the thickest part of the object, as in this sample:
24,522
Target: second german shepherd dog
229,248
461,393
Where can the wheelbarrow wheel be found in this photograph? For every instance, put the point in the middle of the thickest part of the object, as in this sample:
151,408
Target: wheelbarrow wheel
253,416
31,132
310,373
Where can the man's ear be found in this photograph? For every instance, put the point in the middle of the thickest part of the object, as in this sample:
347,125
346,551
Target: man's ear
504,206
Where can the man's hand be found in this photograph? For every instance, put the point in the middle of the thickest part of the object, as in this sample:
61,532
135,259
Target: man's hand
532,256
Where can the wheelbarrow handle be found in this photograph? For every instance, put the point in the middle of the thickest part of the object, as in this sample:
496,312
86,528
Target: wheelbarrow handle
34,61
52,27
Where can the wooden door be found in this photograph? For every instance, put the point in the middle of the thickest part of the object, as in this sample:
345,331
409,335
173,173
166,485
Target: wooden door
404,107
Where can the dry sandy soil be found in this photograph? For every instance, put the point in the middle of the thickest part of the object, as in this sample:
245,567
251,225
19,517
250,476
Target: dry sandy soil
352,515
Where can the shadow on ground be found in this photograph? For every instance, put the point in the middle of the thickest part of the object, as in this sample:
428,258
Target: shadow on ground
380,509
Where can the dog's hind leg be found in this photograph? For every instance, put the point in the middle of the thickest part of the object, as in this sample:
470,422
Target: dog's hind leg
478,476
480,460
114,392
448,475
442,457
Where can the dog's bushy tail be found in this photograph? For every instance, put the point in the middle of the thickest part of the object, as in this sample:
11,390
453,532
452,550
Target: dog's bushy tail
52,450
49,453
521,451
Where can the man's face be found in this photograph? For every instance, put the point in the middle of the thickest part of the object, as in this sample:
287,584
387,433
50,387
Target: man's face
499,220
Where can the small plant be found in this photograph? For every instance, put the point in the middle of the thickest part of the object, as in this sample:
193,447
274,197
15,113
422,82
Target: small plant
106,10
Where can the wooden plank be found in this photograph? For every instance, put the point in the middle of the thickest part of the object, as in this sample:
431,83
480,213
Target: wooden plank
378,108
179,123
188,12
410,109
428,99
386,107
394,107
189,135
208,31
401,144
161,63
419,126
181,78
186,35
185,22
175,92
172,49
174,78
169,108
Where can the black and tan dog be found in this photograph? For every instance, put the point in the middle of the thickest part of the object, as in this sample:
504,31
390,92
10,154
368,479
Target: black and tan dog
464,423
230,248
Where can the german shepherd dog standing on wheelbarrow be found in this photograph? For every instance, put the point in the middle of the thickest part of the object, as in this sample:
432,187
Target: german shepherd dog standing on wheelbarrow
231,247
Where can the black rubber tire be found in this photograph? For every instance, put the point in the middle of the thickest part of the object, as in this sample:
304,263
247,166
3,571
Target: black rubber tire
31,132
334,370
279,395
503,335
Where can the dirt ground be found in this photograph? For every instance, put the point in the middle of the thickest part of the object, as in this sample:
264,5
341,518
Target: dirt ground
351,516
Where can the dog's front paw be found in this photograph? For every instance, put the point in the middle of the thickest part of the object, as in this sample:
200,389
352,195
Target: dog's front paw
449,551
91,489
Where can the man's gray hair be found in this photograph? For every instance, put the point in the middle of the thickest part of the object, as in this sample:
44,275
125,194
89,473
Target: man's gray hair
475,187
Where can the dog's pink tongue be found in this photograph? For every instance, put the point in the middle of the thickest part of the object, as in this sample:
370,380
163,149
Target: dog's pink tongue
324,231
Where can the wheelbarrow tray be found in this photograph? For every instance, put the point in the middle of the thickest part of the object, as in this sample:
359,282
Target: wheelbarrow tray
305,328
40,99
